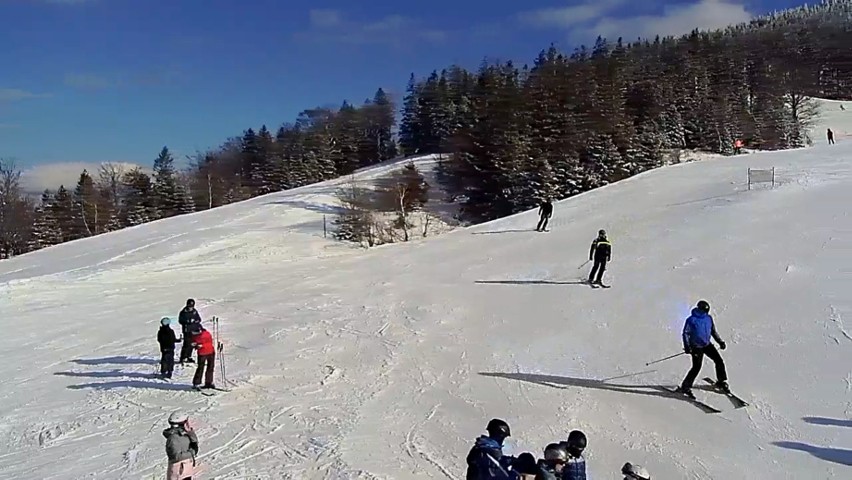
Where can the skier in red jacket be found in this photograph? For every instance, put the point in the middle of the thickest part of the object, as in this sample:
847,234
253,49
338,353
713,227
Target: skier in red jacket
203,342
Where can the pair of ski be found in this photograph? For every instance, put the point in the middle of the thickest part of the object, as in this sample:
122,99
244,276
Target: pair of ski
207,391
736,401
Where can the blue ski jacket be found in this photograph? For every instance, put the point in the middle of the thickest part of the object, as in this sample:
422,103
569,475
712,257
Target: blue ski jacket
698,330
486,461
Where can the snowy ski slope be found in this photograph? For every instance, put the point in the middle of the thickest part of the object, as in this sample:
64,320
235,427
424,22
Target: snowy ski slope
387,363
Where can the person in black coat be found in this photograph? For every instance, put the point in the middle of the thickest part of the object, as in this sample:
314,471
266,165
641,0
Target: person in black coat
545,211
187,317
167,340
601,253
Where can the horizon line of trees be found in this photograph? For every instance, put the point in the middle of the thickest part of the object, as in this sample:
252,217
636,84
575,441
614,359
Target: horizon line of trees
512,135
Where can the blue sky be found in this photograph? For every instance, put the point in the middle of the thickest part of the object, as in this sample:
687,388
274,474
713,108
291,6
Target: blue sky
90,81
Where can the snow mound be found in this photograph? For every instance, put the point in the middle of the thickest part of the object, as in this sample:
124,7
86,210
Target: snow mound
387,363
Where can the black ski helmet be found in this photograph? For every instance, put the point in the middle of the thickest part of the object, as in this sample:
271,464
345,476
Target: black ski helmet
195,329
703,306
576,443
602,232
190,302
525,464
498,429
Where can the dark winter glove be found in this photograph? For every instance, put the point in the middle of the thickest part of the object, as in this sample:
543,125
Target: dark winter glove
722,345
686,349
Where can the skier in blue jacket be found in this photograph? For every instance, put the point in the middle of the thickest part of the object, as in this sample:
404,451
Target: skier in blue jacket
697,332
486,459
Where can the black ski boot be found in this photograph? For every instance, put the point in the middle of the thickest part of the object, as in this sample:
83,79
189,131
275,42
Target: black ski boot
687,392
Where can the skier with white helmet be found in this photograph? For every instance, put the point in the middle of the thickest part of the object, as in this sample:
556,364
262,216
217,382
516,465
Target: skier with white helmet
181,447
635,472
553,463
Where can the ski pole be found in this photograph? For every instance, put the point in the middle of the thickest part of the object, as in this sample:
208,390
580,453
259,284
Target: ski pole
667,358
584,264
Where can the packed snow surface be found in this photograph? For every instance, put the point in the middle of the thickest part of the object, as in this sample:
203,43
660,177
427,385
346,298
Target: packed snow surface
387,363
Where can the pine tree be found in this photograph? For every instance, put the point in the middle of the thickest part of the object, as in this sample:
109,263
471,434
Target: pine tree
86,203
166,194
45,230
140,198
410,129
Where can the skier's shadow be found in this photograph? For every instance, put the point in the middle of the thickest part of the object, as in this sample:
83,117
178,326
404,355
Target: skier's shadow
832,422
529,282
119,360
565,382
110,374
129,384
495,232
833,455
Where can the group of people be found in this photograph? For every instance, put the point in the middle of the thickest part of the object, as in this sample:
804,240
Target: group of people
600,252
193,337
561,460
697,330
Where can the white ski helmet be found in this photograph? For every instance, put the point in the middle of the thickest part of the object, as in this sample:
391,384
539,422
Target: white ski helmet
635,472
165,321
178,418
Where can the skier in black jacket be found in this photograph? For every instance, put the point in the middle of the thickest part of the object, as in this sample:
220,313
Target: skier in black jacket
601,253
545,211
187,317
166,339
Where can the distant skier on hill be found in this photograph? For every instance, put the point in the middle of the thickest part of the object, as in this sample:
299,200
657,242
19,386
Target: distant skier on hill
738,147
830,135
486,460
545,211
697,332
601,253
186,318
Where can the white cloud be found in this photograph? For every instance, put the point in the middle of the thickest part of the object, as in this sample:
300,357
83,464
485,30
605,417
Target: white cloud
569,16
675,20
17,94
395,30
87,81
586,21
51,175
325,17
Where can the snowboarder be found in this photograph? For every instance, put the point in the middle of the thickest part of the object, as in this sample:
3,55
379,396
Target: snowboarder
697,332
186,318
635,472
203,341
830,135
575,466
181,447
167,340
545,211
553,463
486,460
601,253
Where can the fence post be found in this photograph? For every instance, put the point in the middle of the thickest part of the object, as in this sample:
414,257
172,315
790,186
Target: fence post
324,228
773,177
749,179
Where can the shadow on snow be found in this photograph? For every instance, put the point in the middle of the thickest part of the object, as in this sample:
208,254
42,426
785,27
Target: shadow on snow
565,382
833,455
110,374
130,384
833,422
530,282
120,360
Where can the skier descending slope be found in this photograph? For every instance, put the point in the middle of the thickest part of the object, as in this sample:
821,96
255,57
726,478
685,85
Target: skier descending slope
186,318
545,211
601,252
485,460
697,332
181,447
